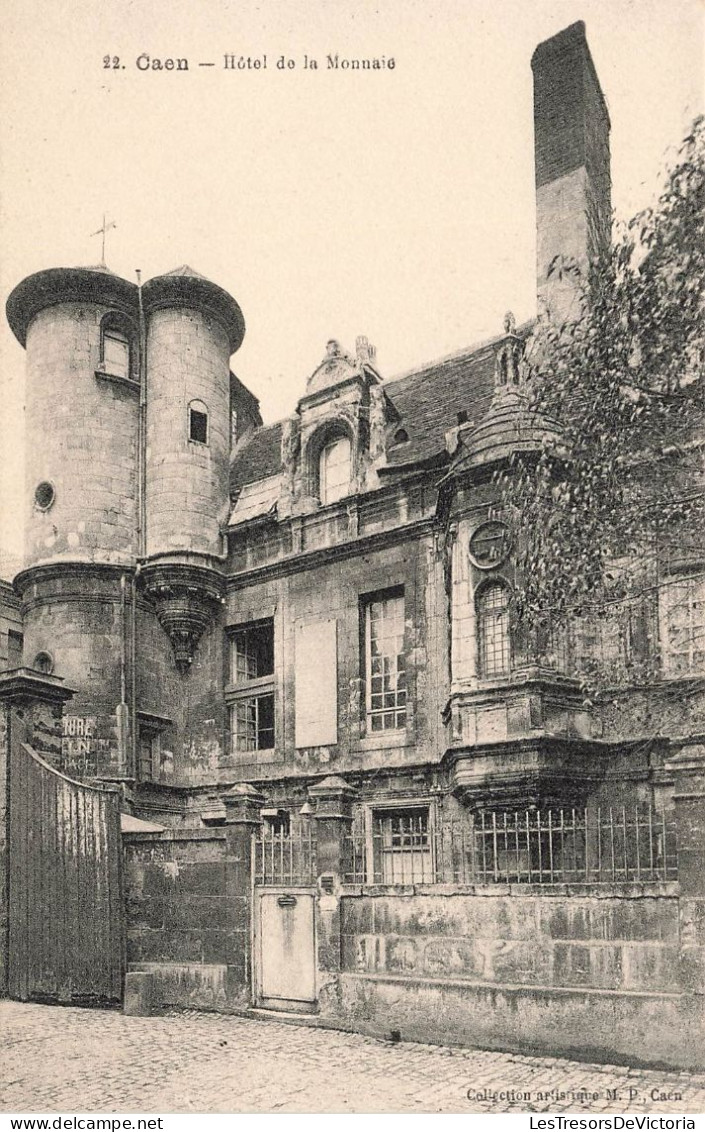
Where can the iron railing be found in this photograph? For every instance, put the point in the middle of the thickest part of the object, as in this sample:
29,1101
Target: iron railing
541,847
285,856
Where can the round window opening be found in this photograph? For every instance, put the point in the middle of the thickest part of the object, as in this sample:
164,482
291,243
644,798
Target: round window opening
44,662
44,495
489,545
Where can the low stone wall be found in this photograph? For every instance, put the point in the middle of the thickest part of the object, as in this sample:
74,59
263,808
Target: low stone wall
187,923
587,973
606,941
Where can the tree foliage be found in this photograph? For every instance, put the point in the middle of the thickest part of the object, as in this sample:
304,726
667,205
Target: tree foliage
600,514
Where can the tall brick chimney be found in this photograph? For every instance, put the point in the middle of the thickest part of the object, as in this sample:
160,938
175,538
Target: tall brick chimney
572,158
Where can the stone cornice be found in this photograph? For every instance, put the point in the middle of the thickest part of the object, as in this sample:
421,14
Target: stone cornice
182,292
51,571
330,392
8,595
502,747
25,685
66,285
310,559
540,680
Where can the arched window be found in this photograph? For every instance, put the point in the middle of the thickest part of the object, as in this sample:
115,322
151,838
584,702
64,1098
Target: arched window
44,662
198,422
494,644
116,353
334,469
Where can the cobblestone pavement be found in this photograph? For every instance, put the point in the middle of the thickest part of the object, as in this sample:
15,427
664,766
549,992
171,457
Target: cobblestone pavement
66,1060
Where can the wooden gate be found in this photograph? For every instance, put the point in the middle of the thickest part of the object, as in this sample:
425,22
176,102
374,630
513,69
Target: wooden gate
65,907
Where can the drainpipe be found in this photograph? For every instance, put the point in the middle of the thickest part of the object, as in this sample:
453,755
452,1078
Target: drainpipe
123,714
142,426
123,639
133,673
141,507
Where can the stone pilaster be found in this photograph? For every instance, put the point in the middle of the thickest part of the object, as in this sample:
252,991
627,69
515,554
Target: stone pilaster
333,801
30,712
688,769
242,809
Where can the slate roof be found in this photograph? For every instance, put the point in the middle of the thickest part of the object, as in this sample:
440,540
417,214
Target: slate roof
428,401
101,267
256,499
186,271
258,456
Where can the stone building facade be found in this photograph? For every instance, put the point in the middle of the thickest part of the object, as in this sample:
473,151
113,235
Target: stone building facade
311,618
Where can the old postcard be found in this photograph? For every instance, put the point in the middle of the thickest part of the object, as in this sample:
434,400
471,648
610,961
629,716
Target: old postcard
352,576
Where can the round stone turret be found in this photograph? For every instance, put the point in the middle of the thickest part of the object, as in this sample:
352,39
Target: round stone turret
79,328
193,326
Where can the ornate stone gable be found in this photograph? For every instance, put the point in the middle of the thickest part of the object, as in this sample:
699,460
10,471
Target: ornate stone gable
344,399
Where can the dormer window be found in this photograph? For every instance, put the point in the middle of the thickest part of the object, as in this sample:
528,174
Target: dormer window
198,422
334,465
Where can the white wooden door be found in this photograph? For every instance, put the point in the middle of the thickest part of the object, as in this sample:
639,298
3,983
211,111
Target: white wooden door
286,949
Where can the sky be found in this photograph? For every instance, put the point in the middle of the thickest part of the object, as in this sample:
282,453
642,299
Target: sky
396,203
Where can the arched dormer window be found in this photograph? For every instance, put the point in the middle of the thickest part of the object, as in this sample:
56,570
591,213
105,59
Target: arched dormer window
198,422
118,357
334,469
493,636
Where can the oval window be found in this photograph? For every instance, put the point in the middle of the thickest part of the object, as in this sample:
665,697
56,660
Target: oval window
489,545
44,495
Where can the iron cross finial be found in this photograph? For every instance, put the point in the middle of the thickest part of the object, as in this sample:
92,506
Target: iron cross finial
102,232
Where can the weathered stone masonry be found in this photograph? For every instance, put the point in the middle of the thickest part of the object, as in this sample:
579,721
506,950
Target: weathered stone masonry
290,649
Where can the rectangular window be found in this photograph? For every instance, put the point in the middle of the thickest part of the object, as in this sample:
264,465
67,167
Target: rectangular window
334,470
402,846
277,824
252,653
15,645
385,663
116,353
252,723
682,625
198,426
600,641
150,755
250,692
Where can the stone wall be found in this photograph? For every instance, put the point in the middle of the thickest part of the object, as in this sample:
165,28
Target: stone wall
187,913
187,482
84,434
78,614
594,975
337,590
10,622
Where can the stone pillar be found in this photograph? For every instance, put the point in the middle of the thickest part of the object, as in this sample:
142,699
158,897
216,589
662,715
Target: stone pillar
242,817
333,801
688,769
31,706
